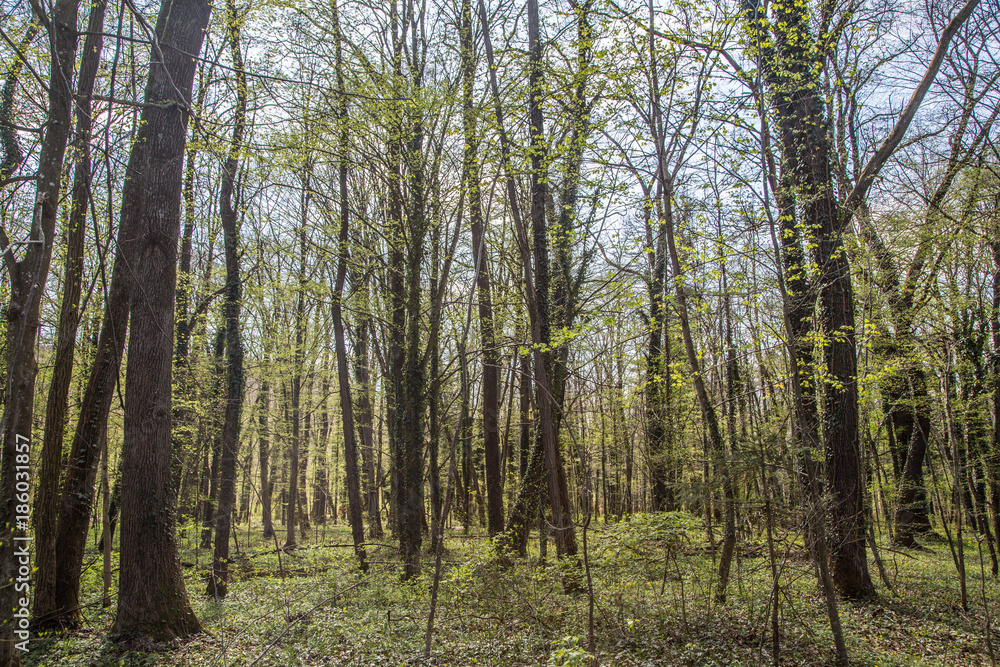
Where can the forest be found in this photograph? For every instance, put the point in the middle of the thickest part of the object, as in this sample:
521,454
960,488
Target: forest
454,332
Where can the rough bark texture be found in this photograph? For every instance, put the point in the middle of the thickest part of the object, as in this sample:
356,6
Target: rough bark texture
235,380
27,283
85,450
656,374
343,367
47,498
411,401
152,601
12,154
544,456
491,355
792,76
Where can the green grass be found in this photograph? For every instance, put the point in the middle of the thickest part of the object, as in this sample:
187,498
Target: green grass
654,606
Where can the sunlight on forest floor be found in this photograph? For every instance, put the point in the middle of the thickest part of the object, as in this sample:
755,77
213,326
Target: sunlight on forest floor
654,606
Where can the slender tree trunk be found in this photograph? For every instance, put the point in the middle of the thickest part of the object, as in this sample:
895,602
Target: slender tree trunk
264,448
300,324
465,437
434,400
366,428
212,432
410,407
395,270
993,462
343,369
656,372
46,500
84,456
717,446
321,490
235,381
305,452
27,284
184,427
491,355
152,602
524,410
805,142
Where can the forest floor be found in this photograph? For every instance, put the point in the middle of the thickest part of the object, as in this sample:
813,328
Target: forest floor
654,605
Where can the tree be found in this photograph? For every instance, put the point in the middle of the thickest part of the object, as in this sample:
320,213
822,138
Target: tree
47,500
28,276
235,380
491,357
343,366
152,601
792,61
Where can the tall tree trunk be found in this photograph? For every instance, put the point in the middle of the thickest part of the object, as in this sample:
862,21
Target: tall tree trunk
434,402
27,284
366,427
343,367
805,139
544,458
264,448
85,450
184,427
719,453
305,452
656,370
46,500
294,467
993,464
524,412
491,355
409,448
152,602
321,483
395,270
218,585
465,437
212,437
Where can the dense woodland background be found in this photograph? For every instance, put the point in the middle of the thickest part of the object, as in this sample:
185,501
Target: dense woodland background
720,278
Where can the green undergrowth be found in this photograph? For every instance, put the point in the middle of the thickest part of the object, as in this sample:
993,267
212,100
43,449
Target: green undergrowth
654,587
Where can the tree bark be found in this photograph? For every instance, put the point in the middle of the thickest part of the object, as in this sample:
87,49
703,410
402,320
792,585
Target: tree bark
792,75
491,355
27,284
47,499
264,450
544,458
366,428
218,585
411,403
212,439
12,155
152,601
297,359
321,482
343,368
993,462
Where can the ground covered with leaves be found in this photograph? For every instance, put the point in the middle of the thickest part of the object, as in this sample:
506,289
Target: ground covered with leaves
654,594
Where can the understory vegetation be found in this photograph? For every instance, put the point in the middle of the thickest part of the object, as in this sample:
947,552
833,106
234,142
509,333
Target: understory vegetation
653,594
